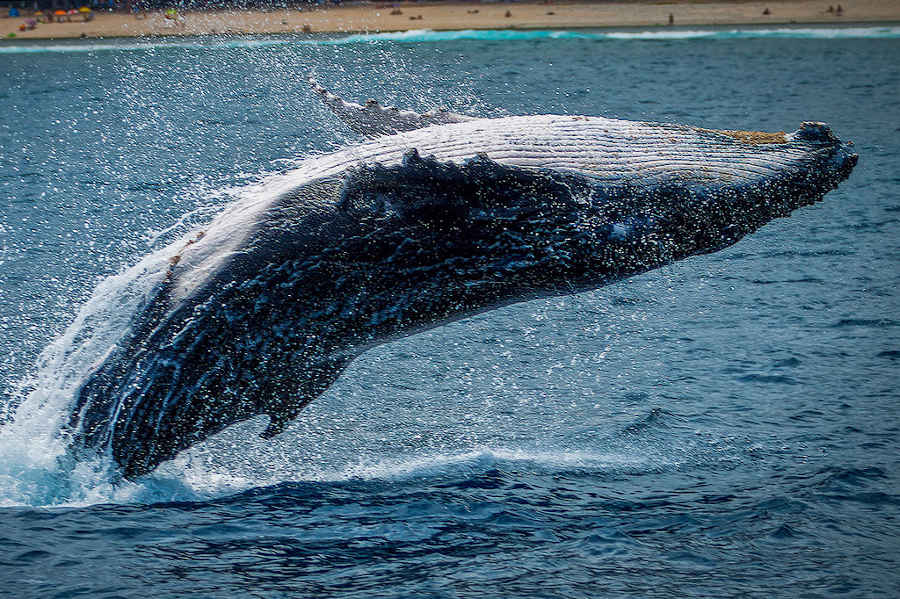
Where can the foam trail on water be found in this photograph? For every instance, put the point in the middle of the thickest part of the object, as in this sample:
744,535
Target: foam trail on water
186,480
427,35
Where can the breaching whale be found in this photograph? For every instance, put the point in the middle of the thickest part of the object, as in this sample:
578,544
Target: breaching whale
439,217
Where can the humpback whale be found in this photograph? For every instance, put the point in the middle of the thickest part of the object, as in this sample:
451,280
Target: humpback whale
437,217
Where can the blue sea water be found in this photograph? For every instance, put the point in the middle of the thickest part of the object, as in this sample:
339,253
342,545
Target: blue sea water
724,427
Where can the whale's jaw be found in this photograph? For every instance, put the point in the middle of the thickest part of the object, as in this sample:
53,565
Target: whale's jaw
263,313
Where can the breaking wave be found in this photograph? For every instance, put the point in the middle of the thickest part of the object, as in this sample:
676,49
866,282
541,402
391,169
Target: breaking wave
427,35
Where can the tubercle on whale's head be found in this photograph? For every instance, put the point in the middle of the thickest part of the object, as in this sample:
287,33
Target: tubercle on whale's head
835,158
843,156
815,131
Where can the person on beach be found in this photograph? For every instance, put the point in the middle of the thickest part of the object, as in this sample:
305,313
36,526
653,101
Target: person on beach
172,15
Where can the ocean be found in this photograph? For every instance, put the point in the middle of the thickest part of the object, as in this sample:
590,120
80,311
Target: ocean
723,427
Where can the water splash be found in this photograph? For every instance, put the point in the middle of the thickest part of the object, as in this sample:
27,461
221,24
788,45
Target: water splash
32,449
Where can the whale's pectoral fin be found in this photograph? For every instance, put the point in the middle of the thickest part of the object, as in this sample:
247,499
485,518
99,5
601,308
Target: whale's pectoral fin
277,424
282,406
373,119
425,188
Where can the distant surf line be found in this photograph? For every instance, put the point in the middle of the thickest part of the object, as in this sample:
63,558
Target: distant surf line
430,36
427,35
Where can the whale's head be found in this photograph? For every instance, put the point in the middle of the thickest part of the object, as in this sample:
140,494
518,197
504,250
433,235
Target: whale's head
545,219
705,195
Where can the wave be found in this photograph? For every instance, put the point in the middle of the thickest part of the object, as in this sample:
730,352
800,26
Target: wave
90,483
427,35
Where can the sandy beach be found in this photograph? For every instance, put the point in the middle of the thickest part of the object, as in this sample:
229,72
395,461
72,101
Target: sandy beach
400,16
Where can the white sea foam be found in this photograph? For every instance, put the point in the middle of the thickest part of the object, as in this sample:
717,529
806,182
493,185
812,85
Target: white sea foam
39,482
192,480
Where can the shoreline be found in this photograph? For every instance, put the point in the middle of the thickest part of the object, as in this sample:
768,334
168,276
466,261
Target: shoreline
409,16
